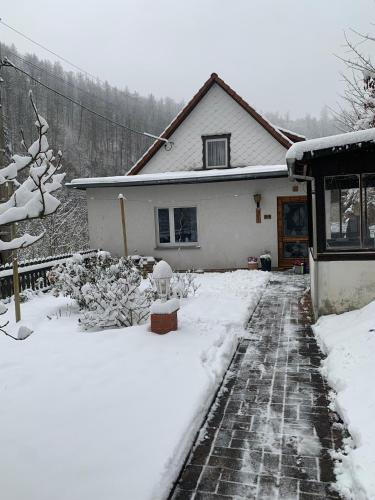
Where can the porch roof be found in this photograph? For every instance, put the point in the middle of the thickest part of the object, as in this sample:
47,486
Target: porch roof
330,145
187,177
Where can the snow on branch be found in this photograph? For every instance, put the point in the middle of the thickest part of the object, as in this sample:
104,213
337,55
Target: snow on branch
359,96
33,198
23,330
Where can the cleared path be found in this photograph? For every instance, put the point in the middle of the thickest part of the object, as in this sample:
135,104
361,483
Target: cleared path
269,431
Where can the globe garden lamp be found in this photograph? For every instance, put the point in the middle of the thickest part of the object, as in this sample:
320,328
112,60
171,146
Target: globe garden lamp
163,311
162,275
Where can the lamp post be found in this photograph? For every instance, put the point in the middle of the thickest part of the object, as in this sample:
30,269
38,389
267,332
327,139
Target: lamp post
163,310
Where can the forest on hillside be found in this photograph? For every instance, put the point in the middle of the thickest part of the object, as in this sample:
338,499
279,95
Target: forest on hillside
91,146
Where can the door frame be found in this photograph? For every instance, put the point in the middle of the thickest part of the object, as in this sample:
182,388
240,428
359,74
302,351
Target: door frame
283,262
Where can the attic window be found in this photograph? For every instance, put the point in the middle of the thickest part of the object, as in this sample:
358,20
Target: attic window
216,151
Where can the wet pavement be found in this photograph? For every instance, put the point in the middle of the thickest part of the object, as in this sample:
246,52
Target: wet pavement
269,431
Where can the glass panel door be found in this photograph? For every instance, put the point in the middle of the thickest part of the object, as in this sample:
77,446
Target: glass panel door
292,229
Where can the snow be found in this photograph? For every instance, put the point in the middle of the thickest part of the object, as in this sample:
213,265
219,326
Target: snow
21,242
10,172
349,341
162,270
23,266
283,129
23,332
298,149
265,256
192,174
112,414
168,307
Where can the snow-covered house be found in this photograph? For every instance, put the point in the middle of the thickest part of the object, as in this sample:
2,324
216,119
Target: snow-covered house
340,171
216,193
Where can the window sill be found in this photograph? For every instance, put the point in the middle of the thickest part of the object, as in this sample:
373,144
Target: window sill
176,247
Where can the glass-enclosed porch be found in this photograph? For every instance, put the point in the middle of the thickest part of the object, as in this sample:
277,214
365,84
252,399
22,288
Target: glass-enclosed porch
340,171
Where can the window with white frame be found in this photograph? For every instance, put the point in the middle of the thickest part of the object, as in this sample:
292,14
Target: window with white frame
177,225
216,151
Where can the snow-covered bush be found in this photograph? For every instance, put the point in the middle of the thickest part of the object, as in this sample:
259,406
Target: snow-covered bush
184,285
69,278
107,290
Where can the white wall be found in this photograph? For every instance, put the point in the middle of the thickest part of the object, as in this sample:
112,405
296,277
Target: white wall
340,286
227,231
218,113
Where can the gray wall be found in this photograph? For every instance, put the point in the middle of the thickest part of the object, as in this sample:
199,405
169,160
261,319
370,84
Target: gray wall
227,231
340,286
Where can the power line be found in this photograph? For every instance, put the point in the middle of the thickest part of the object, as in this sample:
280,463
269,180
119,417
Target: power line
48,50
66,82
7,64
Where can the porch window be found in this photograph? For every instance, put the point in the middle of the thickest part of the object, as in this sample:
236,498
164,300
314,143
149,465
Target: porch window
350,212
177,226
216,151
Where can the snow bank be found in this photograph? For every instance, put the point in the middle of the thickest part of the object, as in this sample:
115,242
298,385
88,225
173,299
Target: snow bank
349,341
113,414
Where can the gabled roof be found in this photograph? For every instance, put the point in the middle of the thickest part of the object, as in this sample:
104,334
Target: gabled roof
284,139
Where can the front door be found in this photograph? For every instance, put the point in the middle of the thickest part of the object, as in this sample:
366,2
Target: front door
292,228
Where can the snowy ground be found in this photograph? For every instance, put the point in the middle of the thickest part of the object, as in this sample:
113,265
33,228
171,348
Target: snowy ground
349,341
112,414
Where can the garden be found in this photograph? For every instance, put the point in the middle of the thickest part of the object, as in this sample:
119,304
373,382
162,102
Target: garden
95,405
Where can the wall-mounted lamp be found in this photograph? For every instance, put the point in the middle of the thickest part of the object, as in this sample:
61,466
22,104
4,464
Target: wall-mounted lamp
257,198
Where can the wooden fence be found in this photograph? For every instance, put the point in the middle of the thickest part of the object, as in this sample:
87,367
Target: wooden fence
32,274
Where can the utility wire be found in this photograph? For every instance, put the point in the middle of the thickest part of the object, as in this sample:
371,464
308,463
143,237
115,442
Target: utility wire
48,50
7,64
63,80
169,143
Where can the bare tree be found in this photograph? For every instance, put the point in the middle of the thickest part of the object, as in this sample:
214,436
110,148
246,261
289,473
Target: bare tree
31,198
359,96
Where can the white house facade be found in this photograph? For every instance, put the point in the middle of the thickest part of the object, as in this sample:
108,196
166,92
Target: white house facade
214,194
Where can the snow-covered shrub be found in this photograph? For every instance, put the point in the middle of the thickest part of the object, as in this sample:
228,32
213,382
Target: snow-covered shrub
184,285
69,277
106,289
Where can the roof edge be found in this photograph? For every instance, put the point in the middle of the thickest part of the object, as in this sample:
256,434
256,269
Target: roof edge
183,180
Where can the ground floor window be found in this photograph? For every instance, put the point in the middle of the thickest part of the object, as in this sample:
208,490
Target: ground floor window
350,211
177,226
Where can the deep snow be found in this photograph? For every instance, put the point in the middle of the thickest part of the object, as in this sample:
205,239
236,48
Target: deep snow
349,341
112,414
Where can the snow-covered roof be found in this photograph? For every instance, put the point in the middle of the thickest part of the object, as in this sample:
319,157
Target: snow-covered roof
185,177
290,134
335,143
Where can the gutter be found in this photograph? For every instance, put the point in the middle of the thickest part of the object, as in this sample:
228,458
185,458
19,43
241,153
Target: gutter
186,180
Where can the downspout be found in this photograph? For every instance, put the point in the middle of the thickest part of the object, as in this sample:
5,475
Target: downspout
307,178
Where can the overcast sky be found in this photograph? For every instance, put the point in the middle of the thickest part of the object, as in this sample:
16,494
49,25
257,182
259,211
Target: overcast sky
277,54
